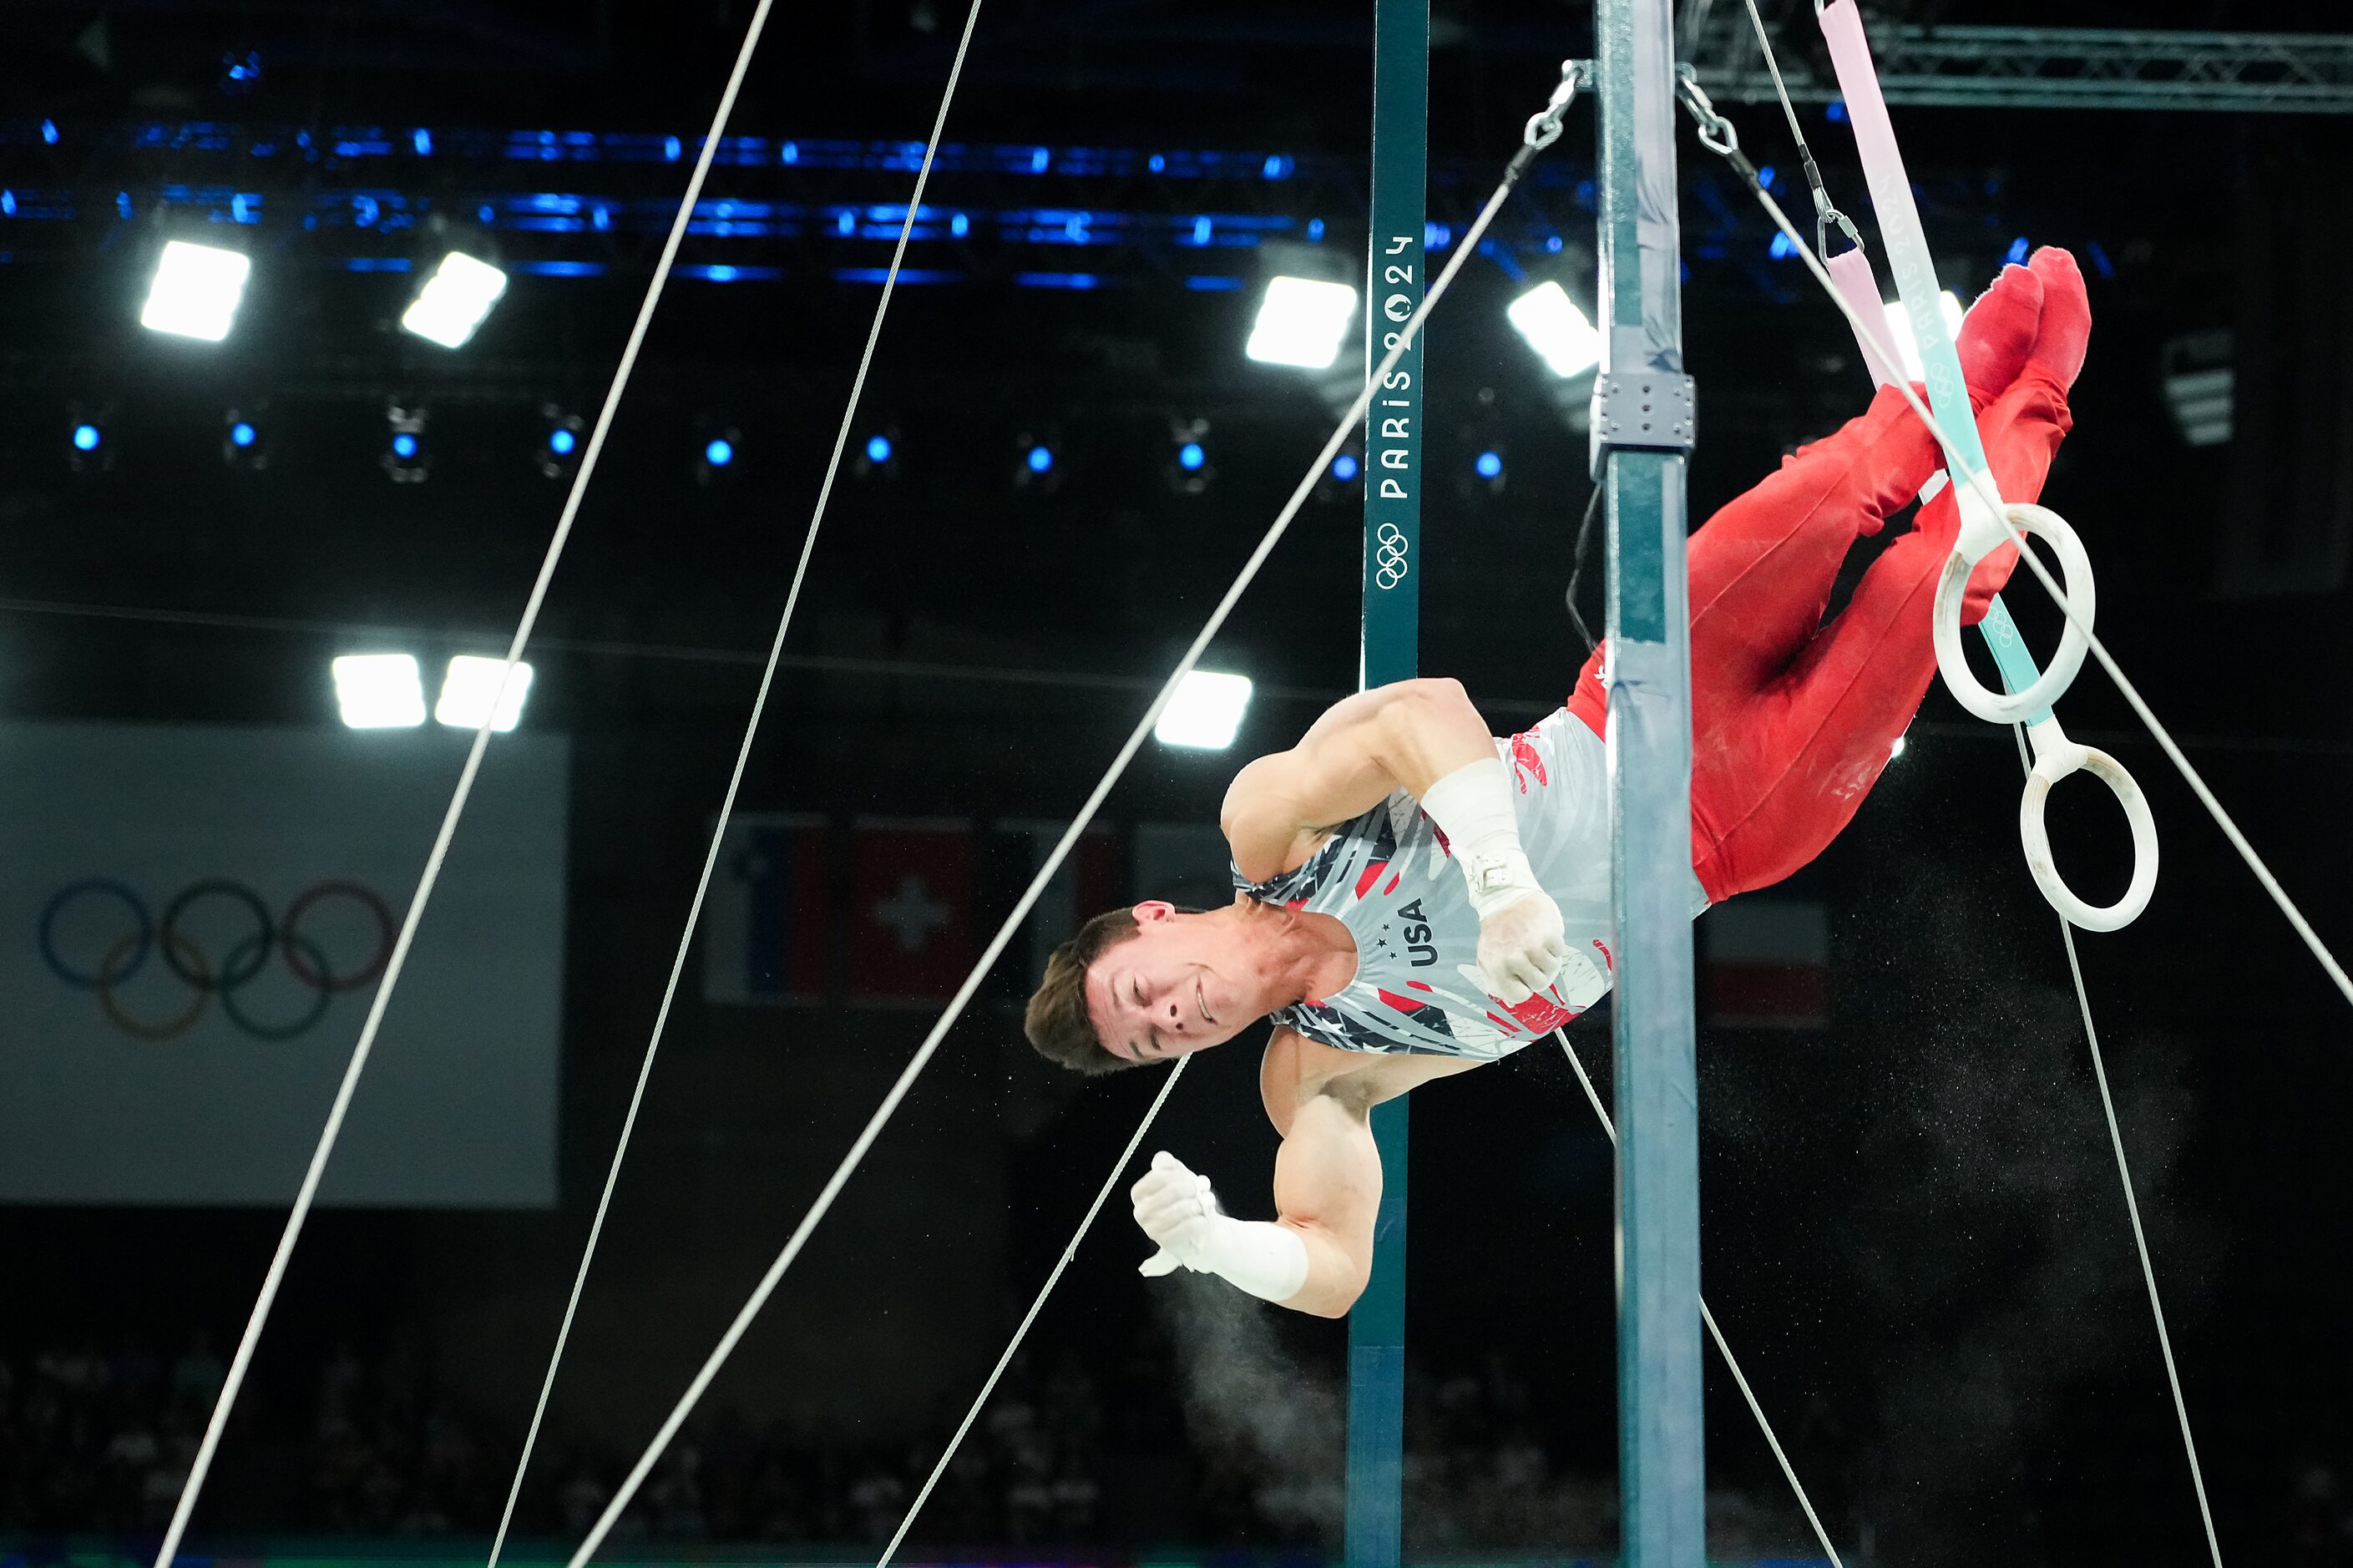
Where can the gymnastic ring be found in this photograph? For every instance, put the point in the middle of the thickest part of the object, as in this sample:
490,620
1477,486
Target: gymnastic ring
2055,757
2076,570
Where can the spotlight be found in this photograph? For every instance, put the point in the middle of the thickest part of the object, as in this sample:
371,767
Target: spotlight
559,450
1189,471
878,455
242,445
403,460
89,443
195,290
472,691
1488,465
1205,711
1906,345
720,458
1037,461
454,301
379,690
1302,321
1896,749
1345,467
1560,333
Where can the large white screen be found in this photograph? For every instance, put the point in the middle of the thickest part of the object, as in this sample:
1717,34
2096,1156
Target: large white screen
192,1061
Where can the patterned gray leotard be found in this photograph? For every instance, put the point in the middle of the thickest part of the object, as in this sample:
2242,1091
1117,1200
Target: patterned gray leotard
1388,876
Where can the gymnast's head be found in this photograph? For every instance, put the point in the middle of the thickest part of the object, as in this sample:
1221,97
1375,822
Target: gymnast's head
1146,984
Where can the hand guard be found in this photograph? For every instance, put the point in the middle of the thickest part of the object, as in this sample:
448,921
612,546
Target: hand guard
1177,1210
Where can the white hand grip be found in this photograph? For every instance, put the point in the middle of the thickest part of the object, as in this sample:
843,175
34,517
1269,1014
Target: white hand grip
2075,568
2055,757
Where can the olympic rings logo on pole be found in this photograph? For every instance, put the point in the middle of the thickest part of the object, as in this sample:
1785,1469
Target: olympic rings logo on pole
144,935
1390,547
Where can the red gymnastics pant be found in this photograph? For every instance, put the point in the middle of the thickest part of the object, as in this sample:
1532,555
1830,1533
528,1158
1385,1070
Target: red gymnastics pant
1792,719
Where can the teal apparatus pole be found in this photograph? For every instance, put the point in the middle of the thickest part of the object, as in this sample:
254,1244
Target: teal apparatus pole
1642,424
1392,625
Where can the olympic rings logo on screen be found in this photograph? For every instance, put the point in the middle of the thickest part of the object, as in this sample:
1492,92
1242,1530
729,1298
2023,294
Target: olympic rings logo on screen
142,935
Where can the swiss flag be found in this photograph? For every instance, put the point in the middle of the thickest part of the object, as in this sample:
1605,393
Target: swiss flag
1769,964
911,884
766,930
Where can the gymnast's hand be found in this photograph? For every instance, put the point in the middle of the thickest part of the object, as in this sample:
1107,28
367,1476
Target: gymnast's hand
1177,1209
1522,945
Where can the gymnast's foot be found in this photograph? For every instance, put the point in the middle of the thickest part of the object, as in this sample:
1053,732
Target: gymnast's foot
2001,331
2066,331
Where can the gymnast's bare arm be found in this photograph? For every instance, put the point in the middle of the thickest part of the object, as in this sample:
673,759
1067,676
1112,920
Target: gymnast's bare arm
1404,736
1327,1175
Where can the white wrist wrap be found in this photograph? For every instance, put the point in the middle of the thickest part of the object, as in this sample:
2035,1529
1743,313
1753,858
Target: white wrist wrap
1472,806
1265,1259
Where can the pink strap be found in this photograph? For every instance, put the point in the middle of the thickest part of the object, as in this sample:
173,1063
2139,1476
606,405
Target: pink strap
1851,270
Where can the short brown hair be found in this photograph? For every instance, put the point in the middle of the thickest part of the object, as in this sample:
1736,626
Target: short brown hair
1056,1022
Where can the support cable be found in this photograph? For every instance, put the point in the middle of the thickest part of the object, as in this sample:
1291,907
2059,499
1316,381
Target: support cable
734,785
1717,135
1723,1348
964,1427
2132,1208
627,1490
1825,213
307,1196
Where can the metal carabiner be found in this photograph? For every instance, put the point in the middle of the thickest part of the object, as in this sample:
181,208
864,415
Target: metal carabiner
1543,126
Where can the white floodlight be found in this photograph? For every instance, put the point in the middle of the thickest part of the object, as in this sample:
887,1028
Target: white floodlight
379,690
1558,331
2201,400
195,290
454,301
1300,321
1205,712
1907,346
1896,750
470,690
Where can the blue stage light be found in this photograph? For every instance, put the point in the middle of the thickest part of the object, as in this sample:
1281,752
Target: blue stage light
404,445
561,441
1190,457
1345,468
2016,254
242,434
86,437
1490,465
720,452
878,448
1042,459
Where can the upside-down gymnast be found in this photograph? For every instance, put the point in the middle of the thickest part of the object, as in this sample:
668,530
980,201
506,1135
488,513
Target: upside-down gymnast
1415,896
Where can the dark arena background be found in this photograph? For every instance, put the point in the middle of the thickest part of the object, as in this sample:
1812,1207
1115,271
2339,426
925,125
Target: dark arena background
1061,455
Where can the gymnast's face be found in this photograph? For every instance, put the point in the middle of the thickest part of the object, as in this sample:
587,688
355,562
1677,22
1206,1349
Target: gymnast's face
1181,985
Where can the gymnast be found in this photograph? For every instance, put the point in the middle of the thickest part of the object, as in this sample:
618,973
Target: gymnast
1415,896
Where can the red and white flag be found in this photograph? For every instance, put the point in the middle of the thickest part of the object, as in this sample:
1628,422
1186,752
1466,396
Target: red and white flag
1769,964
911,890
767,930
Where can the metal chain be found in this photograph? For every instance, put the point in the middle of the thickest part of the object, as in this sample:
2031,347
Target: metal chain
1715,132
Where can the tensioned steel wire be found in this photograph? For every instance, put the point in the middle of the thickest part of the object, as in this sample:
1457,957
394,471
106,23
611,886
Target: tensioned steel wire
980,1401
307,1196
1868,332
627,1490
734,786
2132,1210
1723,1348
